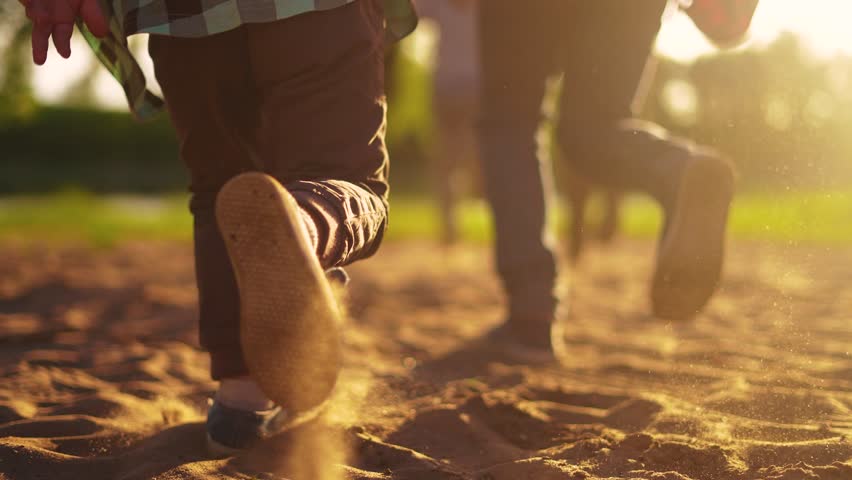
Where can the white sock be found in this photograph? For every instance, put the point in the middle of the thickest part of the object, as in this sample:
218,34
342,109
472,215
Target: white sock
243,393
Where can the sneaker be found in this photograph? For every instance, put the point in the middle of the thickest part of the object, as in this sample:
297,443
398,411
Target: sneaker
691,251
231,431
289,319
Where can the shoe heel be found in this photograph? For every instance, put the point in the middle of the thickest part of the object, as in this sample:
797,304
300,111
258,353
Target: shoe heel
689,262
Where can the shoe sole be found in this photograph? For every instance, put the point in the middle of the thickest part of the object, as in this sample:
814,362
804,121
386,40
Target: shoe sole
288,316
689,263
217,450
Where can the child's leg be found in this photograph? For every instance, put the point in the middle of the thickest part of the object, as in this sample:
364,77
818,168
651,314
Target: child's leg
301,99
213,107
319,78
348,220
321,81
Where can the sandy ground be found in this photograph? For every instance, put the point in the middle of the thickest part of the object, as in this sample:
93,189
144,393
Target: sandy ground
101,376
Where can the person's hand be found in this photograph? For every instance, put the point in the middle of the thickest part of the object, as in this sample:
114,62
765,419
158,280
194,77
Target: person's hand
724,22
55,18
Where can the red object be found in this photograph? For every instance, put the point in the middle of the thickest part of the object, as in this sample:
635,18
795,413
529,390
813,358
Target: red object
724,22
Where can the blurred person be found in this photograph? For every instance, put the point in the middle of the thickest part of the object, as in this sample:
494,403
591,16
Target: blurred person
576,192
455,97
455,103
601,48
280,114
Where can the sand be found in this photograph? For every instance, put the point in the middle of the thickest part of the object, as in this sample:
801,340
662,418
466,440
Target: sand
101,376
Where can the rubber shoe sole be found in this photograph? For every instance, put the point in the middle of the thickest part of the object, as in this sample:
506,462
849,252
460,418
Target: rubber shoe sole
217,450
289,319
691,254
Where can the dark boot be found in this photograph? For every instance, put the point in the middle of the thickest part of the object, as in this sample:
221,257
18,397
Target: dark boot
691,248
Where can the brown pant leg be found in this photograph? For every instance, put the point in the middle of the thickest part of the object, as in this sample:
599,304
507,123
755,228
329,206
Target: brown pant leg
213,107
299,99
321,81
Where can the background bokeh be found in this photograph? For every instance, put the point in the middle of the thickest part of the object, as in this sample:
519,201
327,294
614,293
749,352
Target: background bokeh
74,161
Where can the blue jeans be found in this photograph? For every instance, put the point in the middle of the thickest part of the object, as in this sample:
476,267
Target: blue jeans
602,48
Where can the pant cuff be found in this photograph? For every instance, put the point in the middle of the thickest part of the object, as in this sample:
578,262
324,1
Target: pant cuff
227,364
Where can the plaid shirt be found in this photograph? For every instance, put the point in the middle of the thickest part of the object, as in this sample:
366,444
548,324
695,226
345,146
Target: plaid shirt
198,18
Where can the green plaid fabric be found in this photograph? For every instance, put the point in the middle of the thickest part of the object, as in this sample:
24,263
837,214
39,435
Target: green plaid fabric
199,18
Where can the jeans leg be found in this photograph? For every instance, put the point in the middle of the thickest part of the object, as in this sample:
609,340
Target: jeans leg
516,58
603,71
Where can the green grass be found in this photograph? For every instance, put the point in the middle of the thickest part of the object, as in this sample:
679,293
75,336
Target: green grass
818,217
806,217
102,221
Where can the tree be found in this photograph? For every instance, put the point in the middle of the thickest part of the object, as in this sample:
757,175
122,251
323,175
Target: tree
16,94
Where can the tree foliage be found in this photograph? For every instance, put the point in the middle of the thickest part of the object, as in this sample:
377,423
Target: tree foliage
779,112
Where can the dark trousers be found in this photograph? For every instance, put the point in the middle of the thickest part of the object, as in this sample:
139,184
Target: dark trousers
301,99
602,47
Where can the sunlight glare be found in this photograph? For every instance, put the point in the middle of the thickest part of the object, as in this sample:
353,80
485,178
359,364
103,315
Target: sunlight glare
822,25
